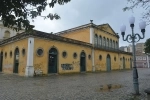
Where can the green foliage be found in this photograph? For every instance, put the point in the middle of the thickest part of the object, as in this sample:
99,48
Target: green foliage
147,46
15,13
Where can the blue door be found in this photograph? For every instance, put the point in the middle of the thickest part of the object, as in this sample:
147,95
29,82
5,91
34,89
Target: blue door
82,62
52,64
16,60
108,63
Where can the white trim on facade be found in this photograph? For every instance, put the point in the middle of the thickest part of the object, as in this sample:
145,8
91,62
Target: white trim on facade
92,42
30,57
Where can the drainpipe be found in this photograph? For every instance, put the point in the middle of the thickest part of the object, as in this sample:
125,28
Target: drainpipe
92,42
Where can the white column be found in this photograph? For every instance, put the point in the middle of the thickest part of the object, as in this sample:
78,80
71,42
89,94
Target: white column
91,35
92,42
30,68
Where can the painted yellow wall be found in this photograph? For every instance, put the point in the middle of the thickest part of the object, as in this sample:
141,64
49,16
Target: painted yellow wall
81,35
8,62
127,61
84,34
42,62
100,65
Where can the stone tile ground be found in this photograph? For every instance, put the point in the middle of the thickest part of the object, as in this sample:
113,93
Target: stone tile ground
85,86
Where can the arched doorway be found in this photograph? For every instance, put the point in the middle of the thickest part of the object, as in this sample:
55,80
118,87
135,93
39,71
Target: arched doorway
16,60
52,61
123,62
108,63
82,62
1,61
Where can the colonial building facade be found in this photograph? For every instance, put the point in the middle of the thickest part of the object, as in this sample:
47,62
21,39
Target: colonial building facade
87,48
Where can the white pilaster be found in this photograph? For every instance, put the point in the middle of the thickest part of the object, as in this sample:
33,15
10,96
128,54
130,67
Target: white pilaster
91,35
92,42
30,68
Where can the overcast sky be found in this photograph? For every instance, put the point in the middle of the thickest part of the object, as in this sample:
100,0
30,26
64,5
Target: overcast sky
80,12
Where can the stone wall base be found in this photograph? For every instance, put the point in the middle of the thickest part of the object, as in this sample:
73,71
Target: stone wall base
29,72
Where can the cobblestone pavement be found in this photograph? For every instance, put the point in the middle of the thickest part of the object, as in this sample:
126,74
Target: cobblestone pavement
85,86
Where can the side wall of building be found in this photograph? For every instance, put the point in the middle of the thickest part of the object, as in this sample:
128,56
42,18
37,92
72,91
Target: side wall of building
41,62
116,63
81,35
127,59
9,56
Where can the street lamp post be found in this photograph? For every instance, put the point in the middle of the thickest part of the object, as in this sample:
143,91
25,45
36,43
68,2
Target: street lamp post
134,38
147,59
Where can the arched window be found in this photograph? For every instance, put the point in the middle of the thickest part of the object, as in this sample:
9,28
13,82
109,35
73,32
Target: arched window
117,45
6,34
104,41
100,40
110,43
96,40
113,46
107,43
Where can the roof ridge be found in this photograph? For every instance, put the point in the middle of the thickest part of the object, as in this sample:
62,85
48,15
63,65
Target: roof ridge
72,29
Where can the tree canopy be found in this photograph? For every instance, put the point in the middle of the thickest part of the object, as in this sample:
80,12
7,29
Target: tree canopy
17,12
145,4
147,46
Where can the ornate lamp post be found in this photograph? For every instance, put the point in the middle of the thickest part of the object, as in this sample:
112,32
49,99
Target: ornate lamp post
134,38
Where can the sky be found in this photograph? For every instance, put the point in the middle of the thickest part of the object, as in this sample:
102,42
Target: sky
80,12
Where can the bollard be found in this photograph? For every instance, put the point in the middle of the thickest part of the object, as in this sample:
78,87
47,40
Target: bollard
148,93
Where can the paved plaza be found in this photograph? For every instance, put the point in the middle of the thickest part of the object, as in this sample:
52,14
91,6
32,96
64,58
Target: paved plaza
84,86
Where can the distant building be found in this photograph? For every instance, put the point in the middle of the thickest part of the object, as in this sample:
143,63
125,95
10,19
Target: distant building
125,48
130,48
142,59
139,47
7,32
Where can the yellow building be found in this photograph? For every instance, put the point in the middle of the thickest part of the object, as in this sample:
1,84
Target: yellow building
87,48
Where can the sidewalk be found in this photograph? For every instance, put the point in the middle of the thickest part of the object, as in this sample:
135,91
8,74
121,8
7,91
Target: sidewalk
85,86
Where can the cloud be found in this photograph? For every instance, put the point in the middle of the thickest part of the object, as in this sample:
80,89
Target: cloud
79,12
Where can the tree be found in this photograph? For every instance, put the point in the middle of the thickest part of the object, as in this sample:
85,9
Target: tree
147,46
145,4
17,12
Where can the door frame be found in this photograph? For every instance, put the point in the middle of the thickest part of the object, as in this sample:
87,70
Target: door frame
84,61
14,68
56,62
108,70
